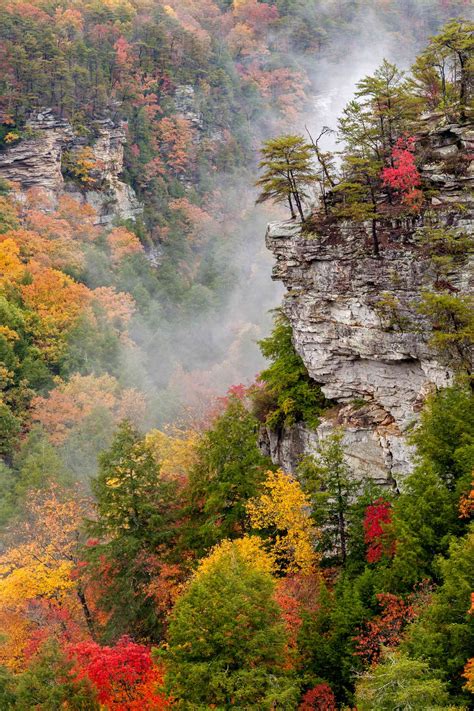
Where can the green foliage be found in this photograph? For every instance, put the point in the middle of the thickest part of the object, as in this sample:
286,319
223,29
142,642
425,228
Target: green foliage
445,437
227,474
331,485
226,641
399,682
7,689
134,519
444,632
9,430
50,684
425,516
287,172
442,74
39,465
326,640
452,320
288,395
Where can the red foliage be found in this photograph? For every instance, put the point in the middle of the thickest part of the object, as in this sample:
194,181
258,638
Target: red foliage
385,629
320,698
377,518
403,175
124,675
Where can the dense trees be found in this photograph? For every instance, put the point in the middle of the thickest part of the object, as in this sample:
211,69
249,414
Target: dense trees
256,588
285,394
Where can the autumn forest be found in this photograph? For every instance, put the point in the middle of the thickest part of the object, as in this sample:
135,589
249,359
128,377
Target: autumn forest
217,492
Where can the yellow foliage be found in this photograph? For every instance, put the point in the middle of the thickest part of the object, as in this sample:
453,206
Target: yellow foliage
11,137
174,452
11,266
8,333
284,509
38,581
24,577
250,549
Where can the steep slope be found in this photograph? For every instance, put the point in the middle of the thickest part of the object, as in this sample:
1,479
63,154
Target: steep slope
354,315
39,161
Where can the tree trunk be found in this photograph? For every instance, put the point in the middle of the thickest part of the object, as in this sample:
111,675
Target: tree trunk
462,88
292,209
86,611
342,536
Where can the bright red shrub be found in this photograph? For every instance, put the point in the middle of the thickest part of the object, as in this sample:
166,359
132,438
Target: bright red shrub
377,518
320,698
403,175
124,675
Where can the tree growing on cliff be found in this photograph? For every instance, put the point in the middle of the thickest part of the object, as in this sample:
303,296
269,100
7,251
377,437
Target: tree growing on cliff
331,487
287,393
452,321
287,172
442,75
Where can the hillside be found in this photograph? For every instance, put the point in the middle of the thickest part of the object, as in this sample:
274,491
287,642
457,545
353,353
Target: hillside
199,510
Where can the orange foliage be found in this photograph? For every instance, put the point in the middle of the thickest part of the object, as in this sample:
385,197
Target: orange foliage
58,301
80,216
385,630
466,504
118,306
11,266
175,141
70,403
166,585
39,593
123,243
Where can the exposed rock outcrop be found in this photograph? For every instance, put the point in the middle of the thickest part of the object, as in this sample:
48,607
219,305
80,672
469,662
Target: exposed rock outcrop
36,161
379,372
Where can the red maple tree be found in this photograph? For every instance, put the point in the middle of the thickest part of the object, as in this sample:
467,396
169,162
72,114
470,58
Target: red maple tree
124,675
376,534
403,175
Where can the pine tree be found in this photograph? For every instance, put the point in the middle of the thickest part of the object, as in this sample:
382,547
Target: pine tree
287,172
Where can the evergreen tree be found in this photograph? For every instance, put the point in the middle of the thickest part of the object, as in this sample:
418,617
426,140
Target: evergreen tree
227,474
401,683
226,639
287,172
331,485
443,73
443,634
289,394
135,511
50,684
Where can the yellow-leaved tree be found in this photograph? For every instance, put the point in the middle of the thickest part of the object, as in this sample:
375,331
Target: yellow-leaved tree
41,594
283,511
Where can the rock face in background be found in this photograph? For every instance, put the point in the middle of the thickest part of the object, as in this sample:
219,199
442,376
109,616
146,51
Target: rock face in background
36,162
377,372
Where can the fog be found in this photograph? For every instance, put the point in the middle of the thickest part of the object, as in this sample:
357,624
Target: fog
185,362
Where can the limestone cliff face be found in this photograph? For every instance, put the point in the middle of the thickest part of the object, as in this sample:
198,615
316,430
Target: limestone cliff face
36,162
379,372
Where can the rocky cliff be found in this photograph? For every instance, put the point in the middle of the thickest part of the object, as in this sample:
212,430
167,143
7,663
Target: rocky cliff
37,161
378,370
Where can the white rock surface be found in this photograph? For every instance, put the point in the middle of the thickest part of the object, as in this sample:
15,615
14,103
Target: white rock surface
334,286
